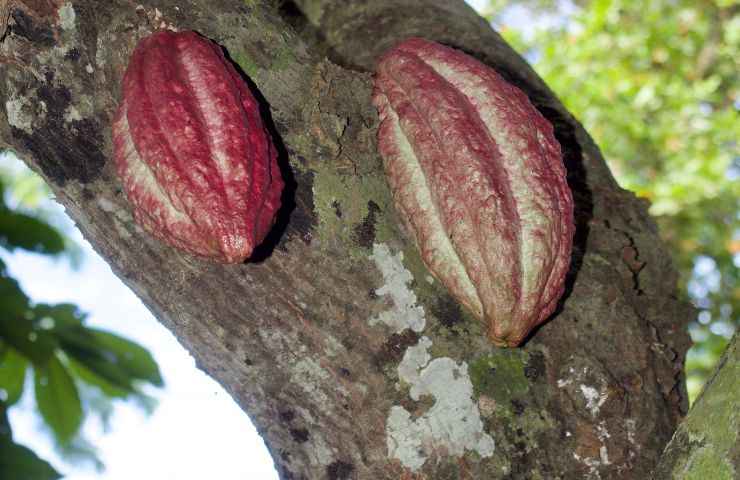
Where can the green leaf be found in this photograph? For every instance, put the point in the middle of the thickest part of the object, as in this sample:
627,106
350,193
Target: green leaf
108,361
129,356
20,463
63,315
105,370
5,429
90,375
33,331
20,333
18,230
13,302
12,375
58,400
117,360
28,189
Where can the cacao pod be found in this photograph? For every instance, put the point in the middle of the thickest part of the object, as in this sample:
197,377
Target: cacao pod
197,164
478,179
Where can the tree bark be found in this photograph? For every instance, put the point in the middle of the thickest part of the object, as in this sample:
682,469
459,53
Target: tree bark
351,362
706,444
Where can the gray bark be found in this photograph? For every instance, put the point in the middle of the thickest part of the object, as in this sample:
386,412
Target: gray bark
300,338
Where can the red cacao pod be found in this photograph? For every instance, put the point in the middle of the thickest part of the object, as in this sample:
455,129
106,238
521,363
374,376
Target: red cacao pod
197,164
479,182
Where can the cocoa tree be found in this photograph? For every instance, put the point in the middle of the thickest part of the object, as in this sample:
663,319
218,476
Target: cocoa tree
349,358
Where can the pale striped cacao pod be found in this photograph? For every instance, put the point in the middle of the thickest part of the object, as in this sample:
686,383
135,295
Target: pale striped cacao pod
479,182
197,164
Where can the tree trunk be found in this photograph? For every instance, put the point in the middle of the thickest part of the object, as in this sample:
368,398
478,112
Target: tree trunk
349,360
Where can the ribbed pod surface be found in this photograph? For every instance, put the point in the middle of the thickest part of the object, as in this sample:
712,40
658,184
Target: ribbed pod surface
478,179
197,164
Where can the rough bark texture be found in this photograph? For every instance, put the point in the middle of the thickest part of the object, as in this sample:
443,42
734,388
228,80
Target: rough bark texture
351,361
707,443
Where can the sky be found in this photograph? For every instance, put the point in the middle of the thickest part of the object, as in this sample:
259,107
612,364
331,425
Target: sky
196,431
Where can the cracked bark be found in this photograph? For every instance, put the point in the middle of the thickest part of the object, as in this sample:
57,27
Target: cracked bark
289,336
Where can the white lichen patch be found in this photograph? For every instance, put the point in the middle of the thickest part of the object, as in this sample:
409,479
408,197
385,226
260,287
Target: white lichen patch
306,372
18,114
332,346
593,465
631,426
106,205
320,454
309,375
122,232
594,398
603,435
71,114
67,16
564,382
405,313
414,360
123,217
452,425
82,108
99,56
576,383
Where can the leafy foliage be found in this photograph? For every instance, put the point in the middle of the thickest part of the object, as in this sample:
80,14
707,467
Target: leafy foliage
656,84
52,344
18,230
17,461
24,193
57,399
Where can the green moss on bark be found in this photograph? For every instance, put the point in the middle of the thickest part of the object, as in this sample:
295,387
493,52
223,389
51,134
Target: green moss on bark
706,443
500,376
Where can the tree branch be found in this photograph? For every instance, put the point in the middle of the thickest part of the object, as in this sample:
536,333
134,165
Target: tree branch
706,444
302,338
